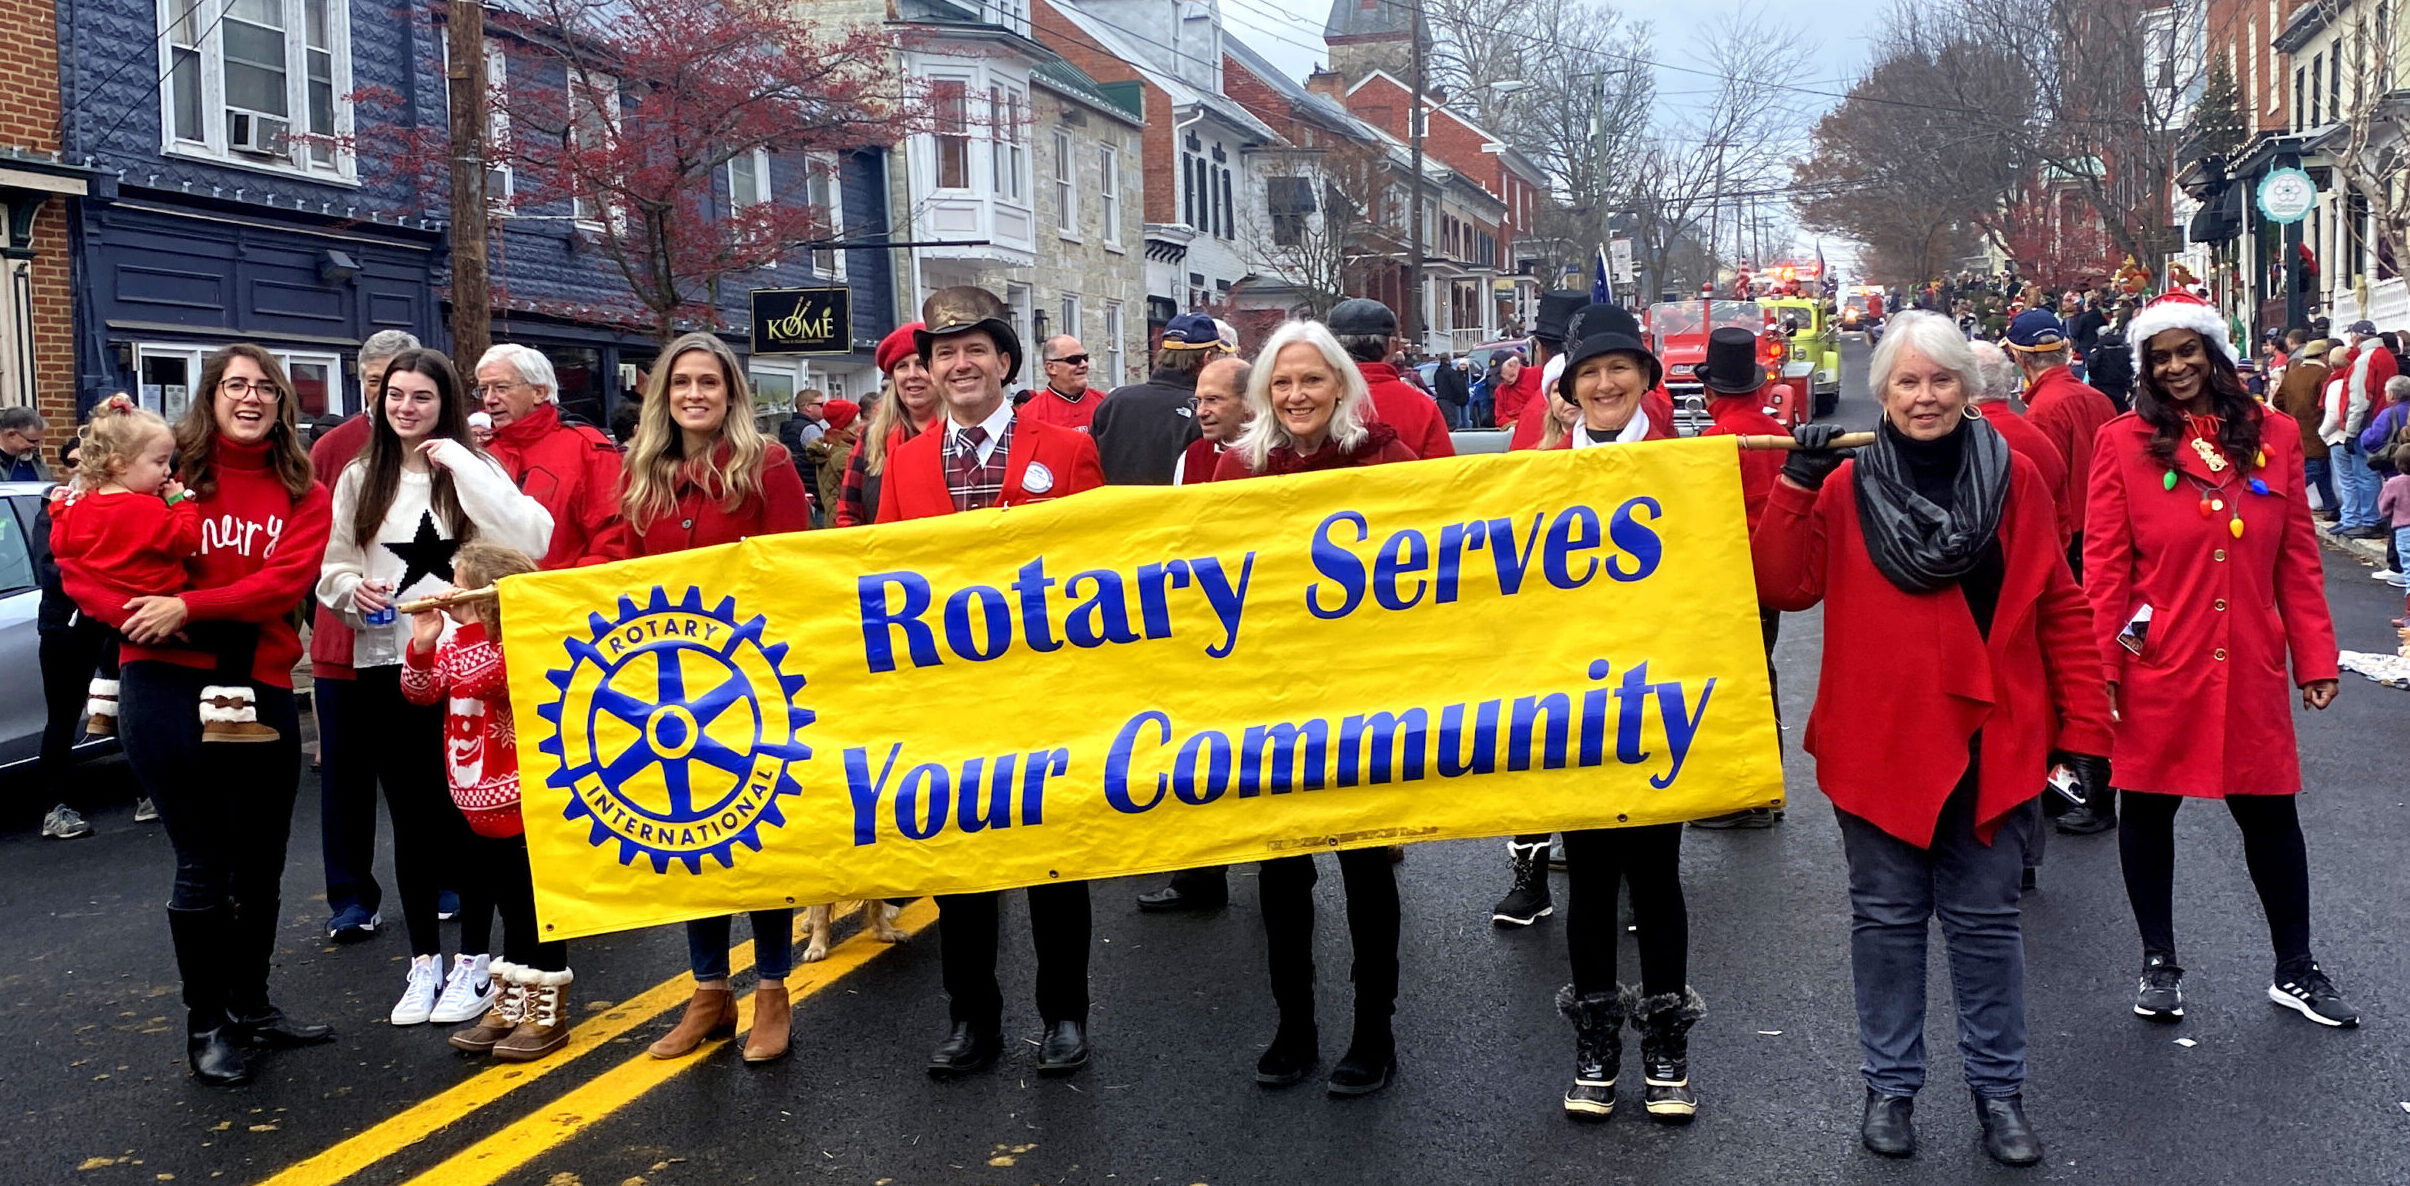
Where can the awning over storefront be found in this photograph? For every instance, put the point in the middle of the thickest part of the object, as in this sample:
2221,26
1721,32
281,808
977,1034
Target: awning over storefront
2220,219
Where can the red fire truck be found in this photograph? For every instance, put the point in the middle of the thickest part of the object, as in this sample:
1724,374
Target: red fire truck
1679,329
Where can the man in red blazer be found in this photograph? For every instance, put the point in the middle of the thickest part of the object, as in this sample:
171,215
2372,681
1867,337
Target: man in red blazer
980,456
2067,411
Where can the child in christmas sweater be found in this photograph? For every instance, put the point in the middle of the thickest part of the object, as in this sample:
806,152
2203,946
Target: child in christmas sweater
125,530
464,672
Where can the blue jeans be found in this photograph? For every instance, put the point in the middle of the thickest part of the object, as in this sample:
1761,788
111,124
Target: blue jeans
1895,890
2360,487
773,945
2320,475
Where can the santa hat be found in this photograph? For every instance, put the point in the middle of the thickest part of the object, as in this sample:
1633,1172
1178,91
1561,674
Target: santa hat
2178,310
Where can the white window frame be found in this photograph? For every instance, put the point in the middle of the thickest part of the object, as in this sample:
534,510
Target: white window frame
1068,311
1066,186
1113,358
339,165
339,399
497,130
759,159
828,261
580,213
1008,148
938,135
791,370
1109,194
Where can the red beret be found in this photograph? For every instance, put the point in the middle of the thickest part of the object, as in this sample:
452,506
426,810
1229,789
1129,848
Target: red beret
839,412
895,346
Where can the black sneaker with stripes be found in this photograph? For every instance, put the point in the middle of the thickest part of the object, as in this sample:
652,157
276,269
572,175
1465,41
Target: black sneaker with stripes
2309,993
2160,996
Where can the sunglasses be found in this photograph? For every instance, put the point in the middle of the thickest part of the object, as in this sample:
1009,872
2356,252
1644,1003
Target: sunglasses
1071,360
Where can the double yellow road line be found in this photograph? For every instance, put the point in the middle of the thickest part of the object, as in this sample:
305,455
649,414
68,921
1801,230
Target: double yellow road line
531,1135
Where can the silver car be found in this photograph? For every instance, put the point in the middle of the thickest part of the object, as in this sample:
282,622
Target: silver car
22,710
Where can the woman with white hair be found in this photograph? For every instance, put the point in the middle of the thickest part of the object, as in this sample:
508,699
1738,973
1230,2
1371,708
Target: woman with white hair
1959,669
1310,407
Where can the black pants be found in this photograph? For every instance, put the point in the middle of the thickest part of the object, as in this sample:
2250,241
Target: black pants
2272,848
69,656
347,801
1285,889
1649,859
401,746
496,880
2075,557
228,810
967,934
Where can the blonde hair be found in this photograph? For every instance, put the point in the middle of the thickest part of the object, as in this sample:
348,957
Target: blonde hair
1265,433
479,563
886,417
112,439
1554,429
657,460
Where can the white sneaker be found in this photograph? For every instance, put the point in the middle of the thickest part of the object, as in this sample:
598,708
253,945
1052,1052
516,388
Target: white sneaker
468,993
65,823
418,1000
2384,574
145,811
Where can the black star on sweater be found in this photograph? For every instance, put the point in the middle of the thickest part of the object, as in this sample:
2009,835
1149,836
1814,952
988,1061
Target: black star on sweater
425,555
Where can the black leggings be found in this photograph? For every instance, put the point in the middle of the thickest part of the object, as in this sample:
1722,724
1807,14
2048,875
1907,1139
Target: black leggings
1286,889
495,879
2272,849
69,657
1650,860
228,809
404,746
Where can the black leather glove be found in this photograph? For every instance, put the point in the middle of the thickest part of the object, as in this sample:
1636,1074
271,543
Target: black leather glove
2091,774
1815,459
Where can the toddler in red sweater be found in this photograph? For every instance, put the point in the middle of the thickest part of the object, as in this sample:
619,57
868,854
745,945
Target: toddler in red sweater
126,528
463,671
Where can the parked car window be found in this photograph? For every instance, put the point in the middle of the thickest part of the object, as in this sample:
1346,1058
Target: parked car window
16,556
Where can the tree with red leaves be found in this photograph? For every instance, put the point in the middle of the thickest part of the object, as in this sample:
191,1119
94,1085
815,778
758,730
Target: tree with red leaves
629,114
2057,240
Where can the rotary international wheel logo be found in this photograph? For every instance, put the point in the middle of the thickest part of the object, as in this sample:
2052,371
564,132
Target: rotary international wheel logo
676,731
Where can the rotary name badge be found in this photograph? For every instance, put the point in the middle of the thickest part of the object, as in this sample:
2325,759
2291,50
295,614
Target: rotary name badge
1038,479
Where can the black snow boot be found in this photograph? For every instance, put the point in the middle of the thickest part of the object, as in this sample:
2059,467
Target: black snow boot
201,957
1597,1050
257,1020
1664,1023
1528,901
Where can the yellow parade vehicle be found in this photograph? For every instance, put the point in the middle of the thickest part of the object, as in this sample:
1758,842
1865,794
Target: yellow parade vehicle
1813,366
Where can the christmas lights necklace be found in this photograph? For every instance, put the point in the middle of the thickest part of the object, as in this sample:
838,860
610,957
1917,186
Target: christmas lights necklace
2213,494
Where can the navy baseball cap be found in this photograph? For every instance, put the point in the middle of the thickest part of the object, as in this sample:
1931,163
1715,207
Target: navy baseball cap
2364,327
2037,330
1191,331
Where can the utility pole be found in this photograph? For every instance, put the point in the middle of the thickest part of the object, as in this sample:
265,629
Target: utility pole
1414,135
472,296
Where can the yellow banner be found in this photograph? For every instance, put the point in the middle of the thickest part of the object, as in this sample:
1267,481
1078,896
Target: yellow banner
1143,679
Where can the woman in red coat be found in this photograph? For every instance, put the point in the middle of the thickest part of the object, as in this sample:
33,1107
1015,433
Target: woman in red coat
1312,412
1958,661
699,473
2197,517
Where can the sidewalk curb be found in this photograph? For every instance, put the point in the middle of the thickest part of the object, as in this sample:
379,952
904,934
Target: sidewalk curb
2370,552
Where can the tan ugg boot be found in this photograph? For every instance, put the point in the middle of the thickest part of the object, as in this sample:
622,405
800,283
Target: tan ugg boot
772,1018
508,1011
710,1015
100,710
544,1020
229,713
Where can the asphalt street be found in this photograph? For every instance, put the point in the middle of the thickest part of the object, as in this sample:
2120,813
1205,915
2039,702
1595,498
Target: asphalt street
2240,1092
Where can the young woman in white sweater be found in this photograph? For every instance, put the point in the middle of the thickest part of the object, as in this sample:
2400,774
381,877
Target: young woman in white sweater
419,490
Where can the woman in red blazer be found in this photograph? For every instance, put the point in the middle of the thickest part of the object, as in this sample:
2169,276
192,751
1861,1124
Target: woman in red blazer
1958,668
699,473
2197,515
1313,413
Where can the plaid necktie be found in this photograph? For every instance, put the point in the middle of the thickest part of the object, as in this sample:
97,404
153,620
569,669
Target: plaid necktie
962,467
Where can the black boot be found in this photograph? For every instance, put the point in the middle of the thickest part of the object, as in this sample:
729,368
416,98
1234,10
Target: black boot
2007,1136
1889,1126
1597,1050
1371,1059
257,1020
1528,902
1294,1053
1664,1023
2099,815
201,942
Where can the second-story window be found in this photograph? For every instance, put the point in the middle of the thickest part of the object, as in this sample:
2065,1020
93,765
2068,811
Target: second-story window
1066,187
827,198
593,128
748,179
1010,161
1289,201
1108,193
259,82
951,101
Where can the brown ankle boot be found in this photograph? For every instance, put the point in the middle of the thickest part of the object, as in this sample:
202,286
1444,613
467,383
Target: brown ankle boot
710,1015
228,713
508,1011
772,1019
543,1022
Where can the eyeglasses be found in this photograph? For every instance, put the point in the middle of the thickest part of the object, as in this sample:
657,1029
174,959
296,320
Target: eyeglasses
245,389
494,389
1070,360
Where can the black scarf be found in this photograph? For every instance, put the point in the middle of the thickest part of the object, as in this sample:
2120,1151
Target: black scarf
1919,541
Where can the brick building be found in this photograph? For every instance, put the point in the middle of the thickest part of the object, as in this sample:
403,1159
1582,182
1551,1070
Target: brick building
37,312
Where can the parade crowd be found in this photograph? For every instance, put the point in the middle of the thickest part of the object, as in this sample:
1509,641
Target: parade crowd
2035,605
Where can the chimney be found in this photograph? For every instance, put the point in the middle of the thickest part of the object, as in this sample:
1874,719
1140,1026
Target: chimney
1327,83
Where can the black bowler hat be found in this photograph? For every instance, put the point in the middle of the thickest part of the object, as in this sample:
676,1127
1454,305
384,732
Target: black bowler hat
1731,367
1557,307
1605,329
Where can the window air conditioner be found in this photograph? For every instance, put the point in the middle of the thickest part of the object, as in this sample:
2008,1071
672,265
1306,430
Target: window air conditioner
253,133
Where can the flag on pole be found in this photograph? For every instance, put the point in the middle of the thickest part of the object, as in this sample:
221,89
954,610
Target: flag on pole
1602,292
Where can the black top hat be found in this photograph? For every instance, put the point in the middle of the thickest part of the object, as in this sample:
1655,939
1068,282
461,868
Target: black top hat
1731,367
1557,308
1605,329
961,309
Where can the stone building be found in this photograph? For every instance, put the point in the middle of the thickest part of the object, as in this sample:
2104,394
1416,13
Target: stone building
1090,275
